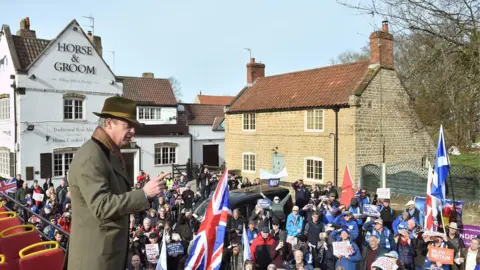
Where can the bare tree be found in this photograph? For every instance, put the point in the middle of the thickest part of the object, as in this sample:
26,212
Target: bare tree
350,57
177,88
437,58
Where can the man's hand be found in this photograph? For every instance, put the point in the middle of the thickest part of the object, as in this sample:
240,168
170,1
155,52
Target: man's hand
155,185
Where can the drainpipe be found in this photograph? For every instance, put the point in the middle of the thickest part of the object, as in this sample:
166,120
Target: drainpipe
189,173
15,132
336,110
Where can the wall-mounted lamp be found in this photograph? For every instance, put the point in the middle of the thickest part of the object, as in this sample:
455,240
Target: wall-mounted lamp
32,77
12,76
30,127
133,144
112,82
47,137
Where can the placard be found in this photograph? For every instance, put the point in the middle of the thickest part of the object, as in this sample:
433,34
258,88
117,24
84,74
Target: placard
468,233
441,255
371,210
175,249
38,197
385,263
152,252
265,203
341,248
273,182
383,193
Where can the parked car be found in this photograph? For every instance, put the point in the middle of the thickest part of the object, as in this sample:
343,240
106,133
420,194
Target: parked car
245,199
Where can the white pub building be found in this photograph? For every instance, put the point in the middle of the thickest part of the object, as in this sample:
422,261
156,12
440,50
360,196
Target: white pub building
48,91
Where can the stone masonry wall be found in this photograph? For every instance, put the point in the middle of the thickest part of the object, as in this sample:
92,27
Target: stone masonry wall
286,130
385,111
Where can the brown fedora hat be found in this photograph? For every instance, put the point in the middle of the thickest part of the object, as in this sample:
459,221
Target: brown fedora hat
120,107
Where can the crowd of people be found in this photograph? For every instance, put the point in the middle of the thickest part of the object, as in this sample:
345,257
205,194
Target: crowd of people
318,233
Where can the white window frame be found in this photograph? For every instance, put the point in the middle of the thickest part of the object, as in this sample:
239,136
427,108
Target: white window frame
160,148
243,162
4,163
74,118
64,165
306,121
4,108
249,124
156,111
306,172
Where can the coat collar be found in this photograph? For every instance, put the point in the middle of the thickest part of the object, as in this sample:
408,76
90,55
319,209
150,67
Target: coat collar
101,136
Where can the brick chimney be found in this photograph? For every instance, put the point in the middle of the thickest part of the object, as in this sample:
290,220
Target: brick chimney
148,75
254,71
24,30
381,47
96,41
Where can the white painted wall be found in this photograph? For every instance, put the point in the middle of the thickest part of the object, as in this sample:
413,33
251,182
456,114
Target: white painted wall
7,127
204,135
47,77
148,152
42,104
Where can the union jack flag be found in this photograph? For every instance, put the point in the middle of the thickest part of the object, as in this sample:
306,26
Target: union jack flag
8,185
207,249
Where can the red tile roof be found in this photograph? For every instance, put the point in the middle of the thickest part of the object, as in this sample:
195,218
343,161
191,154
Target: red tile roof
203,114
218,100
148,91
28,49
322,87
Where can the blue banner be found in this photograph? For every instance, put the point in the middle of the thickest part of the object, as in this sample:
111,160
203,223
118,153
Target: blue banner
273,182
420,204
371,210
265,203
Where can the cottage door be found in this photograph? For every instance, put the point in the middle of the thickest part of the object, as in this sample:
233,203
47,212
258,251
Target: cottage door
278,162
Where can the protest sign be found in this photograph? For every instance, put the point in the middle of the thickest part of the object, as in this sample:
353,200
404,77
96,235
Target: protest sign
175,249
371,210
383,193
385,263
38,197
441,255
468,233
341,248
273,182
152,252
265,203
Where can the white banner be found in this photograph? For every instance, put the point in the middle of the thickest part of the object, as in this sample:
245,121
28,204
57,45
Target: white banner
264,174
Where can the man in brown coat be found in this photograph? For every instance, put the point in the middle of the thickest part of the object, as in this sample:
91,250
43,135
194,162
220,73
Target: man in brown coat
101,194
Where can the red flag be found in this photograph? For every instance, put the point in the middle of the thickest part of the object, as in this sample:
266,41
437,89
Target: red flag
347,188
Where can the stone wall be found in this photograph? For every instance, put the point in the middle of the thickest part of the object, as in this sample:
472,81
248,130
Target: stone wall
385,114
286,130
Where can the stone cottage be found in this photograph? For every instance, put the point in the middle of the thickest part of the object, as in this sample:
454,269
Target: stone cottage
317,121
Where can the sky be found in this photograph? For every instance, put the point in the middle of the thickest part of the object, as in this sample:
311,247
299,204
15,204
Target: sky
201,43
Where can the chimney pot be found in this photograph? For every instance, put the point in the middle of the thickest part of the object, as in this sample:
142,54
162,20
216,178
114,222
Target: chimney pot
385,26
148,75
252,60
24,30
89,33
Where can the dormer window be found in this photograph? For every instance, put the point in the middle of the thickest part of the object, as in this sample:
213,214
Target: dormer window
149,113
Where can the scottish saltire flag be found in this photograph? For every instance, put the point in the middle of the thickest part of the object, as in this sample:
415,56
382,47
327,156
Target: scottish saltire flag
207,248
442,166
8,185
246,246
162,261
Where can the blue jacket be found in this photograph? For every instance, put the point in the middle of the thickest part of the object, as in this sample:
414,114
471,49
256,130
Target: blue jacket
351,262
356,211
405,253
351,226
251,234
384,236
400,224
294,225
